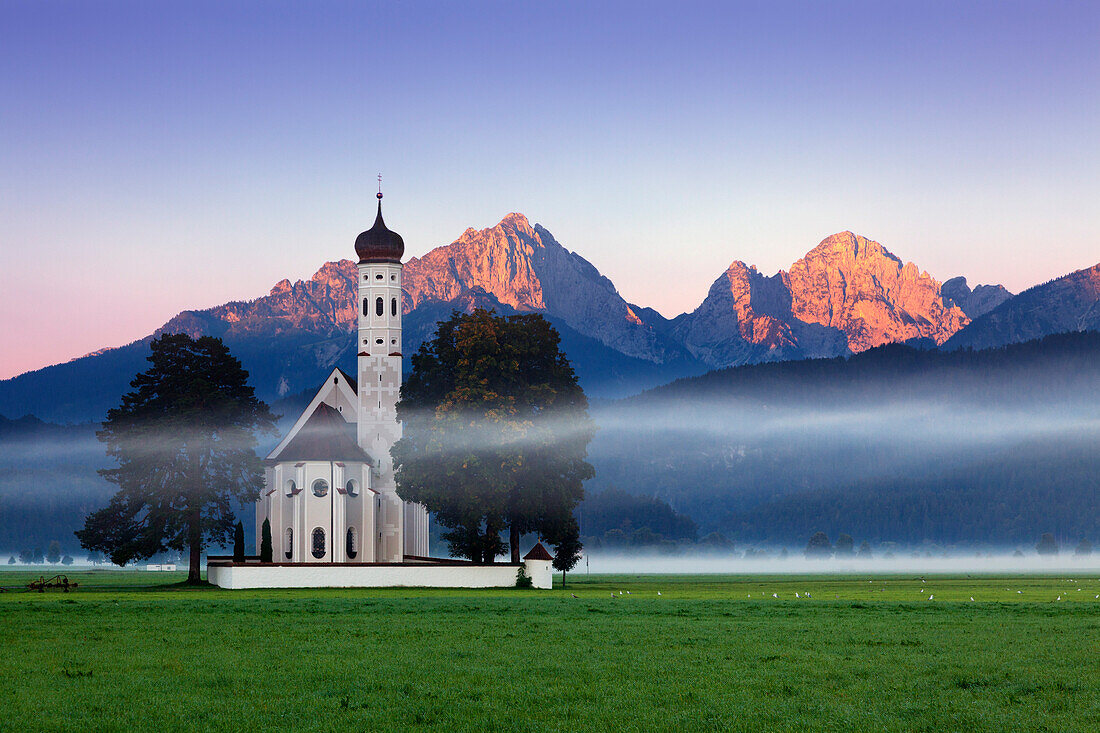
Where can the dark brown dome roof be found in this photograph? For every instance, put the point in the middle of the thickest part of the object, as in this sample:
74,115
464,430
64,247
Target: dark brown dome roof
379,244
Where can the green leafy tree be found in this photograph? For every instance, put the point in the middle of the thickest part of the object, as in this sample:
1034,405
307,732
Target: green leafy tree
67,560
37,557
11,560
266,551
845,545
53,553
26,557
819,546
184,440
865,550
238,542
1084,547
1047,545
96,558
496,433
716,541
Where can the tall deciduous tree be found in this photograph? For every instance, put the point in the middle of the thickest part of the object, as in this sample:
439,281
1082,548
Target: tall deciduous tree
184,440
496,433
819,546
1047,545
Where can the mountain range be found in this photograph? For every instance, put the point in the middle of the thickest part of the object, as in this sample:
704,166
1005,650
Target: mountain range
848,294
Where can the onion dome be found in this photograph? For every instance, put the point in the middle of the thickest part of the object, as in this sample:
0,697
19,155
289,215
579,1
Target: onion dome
379,244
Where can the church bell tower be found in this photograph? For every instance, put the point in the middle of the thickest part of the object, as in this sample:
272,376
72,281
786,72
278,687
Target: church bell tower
402,527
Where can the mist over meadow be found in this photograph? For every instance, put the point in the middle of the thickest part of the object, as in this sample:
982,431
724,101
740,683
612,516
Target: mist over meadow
976,449
941,455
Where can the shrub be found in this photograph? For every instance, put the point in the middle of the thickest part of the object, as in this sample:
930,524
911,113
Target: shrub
523,580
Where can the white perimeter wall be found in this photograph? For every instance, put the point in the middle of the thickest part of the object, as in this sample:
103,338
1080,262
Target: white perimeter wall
377,576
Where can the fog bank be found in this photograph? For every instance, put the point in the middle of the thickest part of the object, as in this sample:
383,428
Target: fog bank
796,564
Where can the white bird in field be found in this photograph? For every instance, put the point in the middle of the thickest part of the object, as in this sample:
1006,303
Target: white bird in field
922,590
796,595
930,597
658,592
573,594
971,597
620,593
1019,591
775,595
628,592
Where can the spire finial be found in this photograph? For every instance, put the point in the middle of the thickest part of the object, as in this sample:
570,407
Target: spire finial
379,185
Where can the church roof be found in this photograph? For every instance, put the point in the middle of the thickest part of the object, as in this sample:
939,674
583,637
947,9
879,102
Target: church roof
325,436
538,552
351,380
379,244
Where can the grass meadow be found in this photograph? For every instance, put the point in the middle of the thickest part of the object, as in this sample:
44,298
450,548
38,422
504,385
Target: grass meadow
129,650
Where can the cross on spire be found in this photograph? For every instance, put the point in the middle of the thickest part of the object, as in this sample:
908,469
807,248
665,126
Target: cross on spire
379,185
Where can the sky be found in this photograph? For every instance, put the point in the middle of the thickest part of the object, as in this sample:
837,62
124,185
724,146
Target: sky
156,157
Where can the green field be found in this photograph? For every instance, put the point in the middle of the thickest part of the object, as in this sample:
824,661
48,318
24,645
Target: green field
125,651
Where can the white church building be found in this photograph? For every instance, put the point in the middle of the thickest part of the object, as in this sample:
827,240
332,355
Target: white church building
330,496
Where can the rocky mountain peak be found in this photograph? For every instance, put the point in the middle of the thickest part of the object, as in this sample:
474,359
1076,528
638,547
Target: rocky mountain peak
976,302
848,294
1068,303
850,247
858,286
524,267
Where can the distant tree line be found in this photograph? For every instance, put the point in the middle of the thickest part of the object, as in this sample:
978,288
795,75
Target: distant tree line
819,546
772,453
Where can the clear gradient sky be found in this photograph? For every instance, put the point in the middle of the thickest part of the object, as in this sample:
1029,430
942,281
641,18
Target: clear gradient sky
156,157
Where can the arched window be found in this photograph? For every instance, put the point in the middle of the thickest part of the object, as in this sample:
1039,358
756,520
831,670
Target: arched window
365,311
353,543
291,488
393,307
318,545
320,487
288,544
352,487
379,306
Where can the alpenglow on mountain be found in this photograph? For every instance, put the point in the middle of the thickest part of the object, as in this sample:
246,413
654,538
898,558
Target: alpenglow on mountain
846,295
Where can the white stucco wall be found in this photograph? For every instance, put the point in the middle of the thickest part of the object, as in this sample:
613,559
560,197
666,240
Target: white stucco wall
376,576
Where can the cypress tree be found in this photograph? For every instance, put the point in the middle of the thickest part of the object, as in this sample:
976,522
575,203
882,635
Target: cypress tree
238,542
265,542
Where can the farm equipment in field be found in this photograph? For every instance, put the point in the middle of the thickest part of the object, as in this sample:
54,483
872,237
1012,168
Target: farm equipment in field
57,581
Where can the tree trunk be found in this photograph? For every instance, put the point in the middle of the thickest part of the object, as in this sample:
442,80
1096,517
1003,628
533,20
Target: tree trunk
194,532
513,542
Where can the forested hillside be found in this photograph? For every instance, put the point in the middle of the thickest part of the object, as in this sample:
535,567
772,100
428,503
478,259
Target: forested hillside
894,444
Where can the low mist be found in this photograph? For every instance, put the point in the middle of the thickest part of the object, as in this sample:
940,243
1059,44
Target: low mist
1004,562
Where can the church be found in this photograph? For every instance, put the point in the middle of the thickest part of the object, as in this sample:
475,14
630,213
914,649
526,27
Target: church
330,494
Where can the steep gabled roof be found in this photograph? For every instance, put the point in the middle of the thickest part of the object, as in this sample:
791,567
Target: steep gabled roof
338,388
325,436
351,380
538,552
